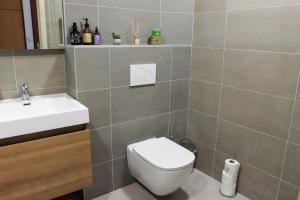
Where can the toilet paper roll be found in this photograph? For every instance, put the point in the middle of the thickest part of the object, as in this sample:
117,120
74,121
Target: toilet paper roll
229,177
228,180
228,191
231,167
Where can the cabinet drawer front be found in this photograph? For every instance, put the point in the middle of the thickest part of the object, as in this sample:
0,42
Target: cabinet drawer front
46,168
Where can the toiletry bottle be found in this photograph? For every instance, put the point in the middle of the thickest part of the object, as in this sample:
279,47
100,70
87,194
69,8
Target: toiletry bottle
155,38
75,35
87,37
97,37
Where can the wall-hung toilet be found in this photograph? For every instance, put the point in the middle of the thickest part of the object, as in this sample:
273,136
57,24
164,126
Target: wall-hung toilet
160,164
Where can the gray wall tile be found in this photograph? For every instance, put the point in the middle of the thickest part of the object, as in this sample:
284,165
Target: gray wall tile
45,91
291,172
209,5
178,124
7,73
122,175
40,71
207,64
177,28
122,58
152,5
260,112
102,175
205,97
252,183
287,191
181,62
179,94
129,103
119,21
271,73
177,6
8,95
204,160
209,29
92,68
262,151
101,145
257,185
87,2
136,131
98,103
70,68
202,128
295,129
271,29
243,4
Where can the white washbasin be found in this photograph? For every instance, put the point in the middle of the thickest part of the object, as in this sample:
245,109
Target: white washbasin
44,113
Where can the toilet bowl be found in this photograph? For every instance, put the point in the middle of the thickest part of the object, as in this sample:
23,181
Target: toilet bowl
160,164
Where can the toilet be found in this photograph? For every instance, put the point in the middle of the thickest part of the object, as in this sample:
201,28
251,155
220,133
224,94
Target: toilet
160,164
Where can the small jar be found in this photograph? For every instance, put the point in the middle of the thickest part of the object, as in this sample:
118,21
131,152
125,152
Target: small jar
155,38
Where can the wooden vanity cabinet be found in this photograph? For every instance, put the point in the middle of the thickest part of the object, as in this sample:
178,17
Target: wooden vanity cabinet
46,168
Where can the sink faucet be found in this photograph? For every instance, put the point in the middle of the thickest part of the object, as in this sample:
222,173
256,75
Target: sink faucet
25,91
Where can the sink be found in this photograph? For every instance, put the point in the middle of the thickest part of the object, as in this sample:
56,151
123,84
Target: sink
40,113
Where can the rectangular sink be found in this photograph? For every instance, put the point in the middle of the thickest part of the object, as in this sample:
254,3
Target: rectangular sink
41,114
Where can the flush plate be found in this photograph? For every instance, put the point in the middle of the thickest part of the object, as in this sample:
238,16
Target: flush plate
142,74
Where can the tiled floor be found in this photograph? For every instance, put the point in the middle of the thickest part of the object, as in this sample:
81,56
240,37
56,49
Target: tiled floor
197,187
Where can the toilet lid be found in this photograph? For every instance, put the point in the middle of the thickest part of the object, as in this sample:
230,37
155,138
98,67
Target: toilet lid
164,154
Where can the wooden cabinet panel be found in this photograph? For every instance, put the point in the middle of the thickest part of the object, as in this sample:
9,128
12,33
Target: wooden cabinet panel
46,168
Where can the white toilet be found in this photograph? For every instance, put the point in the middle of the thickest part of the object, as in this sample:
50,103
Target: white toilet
160,164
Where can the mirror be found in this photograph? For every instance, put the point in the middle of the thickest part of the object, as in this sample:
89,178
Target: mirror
31,24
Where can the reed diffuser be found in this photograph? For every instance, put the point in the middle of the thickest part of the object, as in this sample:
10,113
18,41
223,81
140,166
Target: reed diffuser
136,32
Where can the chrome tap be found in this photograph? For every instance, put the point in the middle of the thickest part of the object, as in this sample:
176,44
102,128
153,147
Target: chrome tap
25,91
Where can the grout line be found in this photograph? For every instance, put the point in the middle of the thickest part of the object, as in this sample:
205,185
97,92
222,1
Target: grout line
246,9
172,12
65,25
75,73
265,7
209,11
98,12
252,166
160,13
244,90
203,113
288,137
125,86
170,94
65,72
248,50
108,161
110,113
130,9
208,82
190,75
139,119
143,118
220,97
258,92
241,126
15,72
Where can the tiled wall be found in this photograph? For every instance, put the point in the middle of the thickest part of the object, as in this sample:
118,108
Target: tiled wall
174,17
244,98
99,78
44,71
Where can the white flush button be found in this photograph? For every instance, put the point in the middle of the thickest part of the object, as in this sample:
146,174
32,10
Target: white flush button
143,74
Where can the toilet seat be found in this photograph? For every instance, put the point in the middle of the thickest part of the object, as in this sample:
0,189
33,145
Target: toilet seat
164,154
